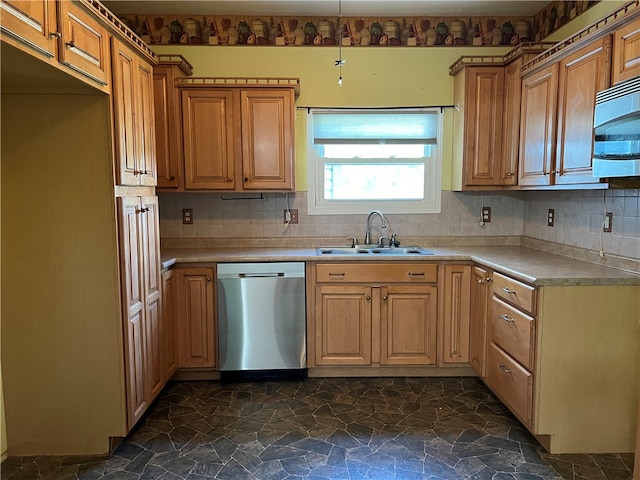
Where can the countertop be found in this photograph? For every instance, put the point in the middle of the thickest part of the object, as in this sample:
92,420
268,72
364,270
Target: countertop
528,265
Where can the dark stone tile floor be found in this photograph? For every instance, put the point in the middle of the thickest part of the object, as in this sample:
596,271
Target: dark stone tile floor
338,429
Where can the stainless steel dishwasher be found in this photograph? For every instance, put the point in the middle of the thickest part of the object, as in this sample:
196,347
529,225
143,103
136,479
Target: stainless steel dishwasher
261,320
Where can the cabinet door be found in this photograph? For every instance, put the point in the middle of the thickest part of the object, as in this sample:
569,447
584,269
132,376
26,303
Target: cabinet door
168,128
145,124
168,328
581,76
31,23
480,281
537,127
408,323
511,123
455,321
267,139
483,125
84,46
124,106
343,325
196,322
152,283
626,52
208,129
133,301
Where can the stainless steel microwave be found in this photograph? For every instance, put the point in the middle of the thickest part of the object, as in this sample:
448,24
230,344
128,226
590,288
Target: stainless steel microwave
616,140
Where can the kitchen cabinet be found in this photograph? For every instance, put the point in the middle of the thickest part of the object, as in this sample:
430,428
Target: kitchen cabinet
556,131
626,52
455,317
134,127
195,318
238,139
373,314
548,350
65,34
168,125
139,245
481,279
169,328
487,91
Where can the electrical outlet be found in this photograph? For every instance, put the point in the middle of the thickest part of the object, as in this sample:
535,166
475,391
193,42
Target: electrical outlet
486,214
608,222
291,216
551,217
187,216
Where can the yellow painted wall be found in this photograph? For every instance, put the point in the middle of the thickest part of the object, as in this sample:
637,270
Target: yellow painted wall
3,423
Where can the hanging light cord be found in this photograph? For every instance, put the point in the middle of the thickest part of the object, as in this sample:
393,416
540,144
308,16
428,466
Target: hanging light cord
340,62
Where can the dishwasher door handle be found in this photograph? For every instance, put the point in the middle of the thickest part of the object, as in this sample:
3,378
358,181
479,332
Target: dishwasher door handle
261,275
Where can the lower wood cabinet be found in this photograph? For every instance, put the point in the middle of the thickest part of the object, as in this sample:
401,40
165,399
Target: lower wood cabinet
169,327
455,316
196,317
481,279
373,314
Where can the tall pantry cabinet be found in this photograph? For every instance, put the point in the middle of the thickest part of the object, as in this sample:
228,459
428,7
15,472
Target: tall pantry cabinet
81,347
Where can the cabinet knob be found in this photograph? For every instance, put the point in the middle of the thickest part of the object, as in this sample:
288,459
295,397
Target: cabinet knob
384,298
508,290
70,44
509,174
480,281
55,35
368,298
137,172
246,179
172,178
230,179
489,279
506,318
208,278
504,369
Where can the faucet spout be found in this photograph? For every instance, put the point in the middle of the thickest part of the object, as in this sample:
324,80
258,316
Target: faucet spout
367,236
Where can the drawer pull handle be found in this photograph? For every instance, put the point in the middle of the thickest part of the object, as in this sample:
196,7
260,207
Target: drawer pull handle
489,279
504,369
337,274
419,274
480,281
508,290
506,318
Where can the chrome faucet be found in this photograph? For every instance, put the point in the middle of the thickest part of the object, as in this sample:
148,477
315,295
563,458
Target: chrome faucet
367,235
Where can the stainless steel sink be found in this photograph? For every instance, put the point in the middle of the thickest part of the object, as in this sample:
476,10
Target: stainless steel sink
386,251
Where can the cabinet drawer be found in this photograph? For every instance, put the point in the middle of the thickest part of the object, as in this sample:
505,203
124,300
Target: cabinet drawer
379,272
513,331
512,383
515,292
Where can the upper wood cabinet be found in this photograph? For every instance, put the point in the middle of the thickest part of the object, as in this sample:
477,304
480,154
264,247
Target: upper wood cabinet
133,117
556,129
168,119
238,139
626,52
511,122
63,33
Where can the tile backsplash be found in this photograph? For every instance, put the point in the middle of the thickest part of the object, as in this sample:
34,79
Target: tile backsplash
578,219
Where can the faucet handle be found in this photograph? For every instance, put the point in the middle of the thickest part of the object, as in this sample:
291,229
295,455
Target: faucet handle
381,240
354,241
394,241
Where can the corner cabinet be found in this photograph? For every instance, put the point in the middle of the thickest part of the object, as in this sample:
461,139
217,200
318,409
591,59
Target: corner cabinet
368,314
556,127
238,139
626,52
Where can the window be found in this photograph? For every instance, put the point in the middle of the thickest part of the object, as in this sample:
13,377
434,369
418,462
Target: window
361,160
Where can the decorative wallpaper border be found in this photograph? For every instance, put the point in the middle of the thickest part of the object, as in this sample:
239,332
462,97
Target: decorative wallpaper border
354,31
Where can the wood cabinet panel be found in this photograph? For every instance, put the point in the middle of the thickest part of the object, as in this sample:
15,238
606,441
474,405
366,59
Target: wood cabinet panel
196,321
581,75
267,139
408,325
84,46
537,127
145,126
169,326
343,325
626,52
511,123
480,291
31,23
511,382
209,147
513,331
378,272
456,314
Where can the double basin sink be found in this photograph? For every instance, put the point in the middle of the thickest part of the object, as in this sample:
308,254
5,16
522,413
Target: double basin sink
373,251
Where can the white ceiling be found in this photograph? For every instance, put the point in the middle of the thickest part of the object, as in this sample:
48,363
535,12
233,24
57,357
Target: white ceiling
321,8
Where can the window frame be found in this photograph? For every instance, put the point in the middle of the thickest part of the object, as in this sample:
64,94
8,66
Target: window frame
318,205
